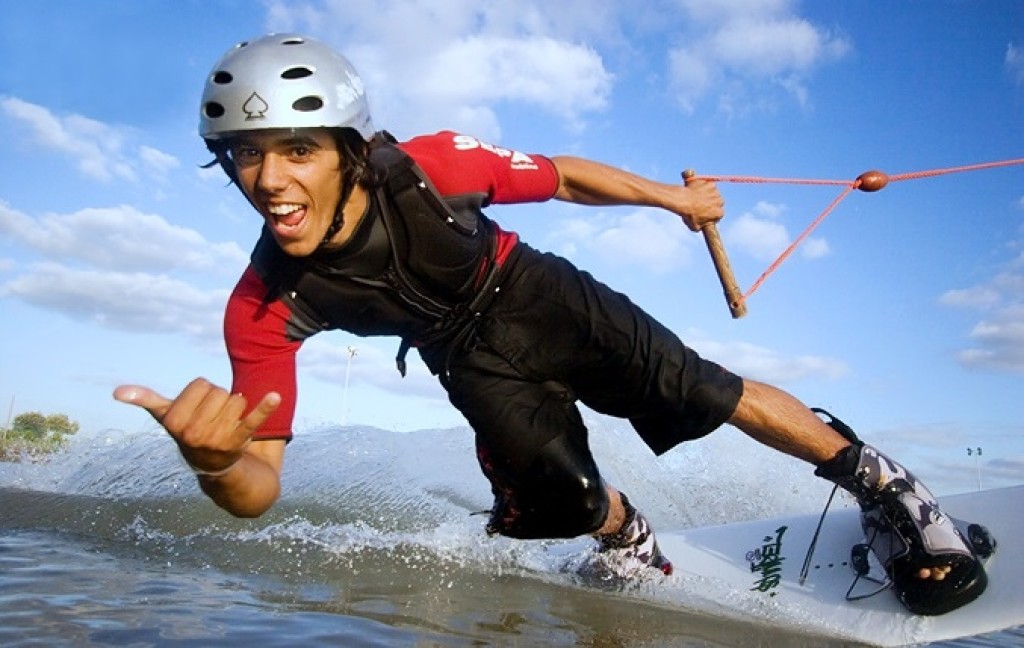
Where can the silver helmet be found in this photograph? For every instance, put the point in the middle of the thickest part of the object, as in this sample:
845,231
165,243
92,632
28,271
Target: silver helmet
283,81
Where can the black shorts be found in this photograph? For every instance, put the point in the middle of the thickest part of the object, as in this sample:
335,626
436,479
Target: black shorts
555,335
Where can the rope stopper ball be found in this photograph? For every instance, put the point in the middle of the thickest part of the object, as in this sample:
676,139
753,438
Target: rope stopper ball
870,181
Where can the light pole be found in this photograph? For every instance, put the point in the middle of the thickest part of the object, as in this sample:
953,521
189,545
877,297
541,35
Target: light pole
344,395
976,452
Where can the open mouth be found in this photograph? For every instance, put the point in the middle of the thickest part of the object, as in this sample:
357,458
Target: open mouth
287,218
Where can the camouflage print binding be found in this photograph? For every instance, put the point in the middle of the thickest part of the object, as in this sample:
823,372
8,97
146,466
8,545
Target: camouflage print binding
907,531
631,550
898,495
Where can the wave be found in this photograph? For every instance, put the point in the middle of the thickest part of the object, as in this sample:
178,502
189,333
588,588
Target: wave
354,493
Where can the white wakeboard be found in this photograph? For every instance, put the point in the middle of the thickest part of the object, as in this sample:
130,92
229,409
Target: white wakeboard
760,563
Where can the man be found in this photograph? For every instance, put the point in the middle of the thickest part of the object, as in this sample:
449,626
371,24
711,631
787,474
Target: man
382,238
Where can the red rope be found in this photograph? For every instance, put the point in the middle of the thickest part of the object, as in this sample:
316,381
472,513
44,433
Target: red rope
871,184
959,169
796,243
759,180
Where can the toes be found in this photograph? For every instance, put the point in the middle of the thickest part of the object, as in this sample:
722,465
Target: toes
934,573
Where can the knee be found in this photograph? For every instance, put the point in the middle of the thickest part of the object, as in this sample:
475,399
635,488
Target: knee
563,495
573,510
583,510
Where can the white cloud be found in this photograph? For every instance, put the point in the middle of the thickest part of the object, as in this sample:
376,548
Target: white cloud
457,60
122,301
100,151
769,210
767,48
760,235
743,48
998,342
656,241
767,365
976,297
815,248
763,239
158,162
563,78
1015,62
123,283
120,238
690,77
997,339
721,10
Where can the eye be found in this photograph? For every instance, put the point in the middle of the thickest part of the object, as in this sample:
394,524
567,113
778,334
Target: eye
303,151
245,154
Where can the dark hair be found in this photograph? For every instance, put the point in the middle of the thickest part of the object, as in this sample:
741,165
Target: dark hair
355,156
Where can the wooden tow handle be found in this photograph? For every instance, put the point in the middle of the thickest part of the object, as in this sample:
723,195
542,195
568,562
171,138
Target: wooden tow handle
733,296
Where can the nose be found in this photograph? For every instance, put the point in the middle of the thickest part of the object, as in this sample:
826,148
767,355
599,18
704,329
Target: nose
273,176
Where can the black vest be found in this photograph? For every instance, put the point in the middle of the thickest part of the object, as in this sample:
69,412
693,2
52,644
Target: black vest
419,266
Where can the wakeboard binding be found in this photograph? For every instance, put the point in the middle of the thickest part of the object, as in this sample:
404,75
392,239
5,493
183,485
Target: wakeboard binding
633,548
907,531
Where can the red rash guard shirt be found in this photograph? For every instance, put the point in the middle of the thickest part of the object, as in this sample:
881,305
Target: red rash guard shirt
261,351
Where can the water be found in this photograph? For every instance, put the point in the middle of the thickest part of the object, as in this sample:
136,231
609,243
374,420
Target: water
373,544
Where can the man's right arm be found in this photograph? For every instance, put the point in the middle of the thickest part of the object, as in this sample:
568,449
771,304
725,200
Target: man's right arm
240,475
235,440
587,182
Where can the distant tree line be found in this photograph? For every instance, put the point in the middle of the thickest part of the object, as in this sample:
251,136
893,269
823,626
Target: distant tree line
33,434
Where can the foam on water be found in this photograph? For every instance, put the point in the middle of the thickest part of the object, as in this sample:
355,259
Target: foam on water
354,493
396,509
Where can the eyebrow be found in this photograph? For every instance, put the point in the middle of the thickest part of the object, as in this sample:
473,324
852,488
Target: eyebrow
289,140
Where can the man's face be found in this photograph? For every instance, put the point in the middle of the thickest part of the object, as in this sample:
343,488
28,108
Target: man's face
293,178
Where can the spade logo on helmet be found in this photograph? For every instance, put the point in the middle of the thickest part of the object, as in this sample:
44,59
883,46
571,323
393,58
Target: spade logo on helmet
255,107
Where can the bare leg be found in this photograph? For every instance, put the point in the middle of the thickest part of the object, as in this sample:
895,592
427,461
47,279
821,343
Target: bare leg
778,420
616,513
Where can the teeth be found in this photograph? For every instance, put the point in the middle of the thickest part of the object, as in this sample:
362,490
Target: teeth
282,210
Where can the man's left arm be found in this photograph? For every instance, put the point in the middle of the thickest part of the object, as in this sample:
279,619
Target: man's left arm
587,182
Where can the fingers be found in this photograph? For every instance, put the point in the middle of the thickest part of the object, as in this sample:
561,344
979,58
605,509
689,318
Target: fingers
260,413
203,409
703,203
209,423
203,414
143,397
711,200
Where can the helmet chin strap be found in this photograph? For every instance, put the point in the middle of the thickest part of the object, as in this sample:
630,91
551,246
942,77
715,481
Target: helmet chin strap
347,186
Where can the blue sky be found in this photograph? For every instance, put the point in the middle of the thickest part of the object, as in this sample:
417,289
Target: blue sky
903,313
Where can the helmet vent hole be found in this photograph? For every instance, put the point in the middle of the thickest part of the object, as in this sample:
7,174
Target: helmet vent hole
223,78
308,104
293,41
213,110
297,73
